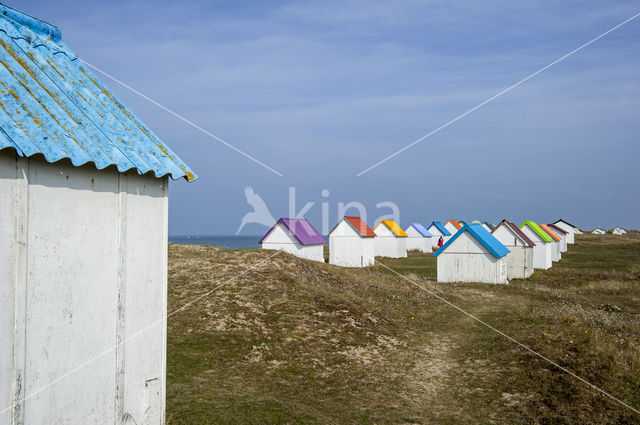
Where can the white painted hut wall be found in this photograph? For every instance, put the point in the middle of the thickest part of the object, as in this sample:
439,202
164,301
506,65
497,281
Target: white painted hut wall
416,241
87,263
567,228
467,260
520,259
450,227
556,254
348,248
388,244
563,242
487,228
280,238
542,255
436,236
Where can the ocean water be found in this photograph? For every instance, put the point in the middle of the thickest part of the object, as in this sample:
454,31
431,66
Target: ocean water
222,241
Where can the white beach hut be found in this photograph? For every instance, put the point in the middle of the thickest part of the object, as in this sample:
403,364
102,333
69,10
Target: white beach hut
452,226
543,251
557,241
352,243
437,230
83,241
569,228
418,238
520,259
618,231
297,237
563,235
391,240
599,231
472,255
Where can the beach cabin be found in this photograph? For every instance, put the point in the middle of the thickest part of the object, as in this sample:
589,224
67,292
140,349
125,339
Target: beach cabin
618,231
352,243
488,226
557,240
543,250
437,230
599,231
472,255
563,235
452,226
297,237
83,241
391,240
520,259
418,238
569,228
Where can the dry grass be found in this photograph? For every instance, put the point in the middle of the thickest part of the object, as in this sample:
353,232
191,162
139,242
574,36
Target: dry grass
299,342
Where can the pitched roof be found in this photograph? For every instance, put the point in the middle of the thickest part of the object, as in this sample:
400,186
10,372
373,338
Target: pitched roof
493,245
393,226
534,226
489,225
441,228
53,105
455,223
566,222
421,229
360,226
557,229
550,232
525,239
301,229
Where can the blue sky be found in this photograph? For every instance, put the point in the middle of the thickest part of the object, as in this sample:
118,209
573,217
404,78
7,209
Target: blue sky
322,90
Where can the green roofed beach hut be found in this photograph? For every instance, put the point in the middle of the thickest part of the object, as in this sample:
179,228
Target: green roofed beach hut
543,251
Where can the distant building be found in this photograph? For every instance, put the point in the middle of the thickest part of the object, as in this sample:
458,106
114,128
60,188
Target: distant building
352,243
520,259
295,236
437,230
557,241
452,226
618,231
570,228
599,231
83,241
418,238
472,255
391,240
543,251
488,226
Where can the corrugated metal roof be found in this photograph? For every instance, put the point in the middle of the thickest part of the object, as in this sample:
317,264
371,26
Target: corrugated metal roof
441,228
550,232
393,226
493,245
360,226
301,229
534,226
421,229
53,105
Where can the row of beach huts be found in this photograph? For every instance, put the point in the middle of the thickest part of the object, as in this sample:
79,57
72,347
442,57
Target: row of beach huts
470,252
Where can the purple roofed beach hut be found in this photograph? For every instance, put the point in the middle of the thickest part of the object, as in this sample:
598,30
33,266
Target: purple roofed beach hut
297,237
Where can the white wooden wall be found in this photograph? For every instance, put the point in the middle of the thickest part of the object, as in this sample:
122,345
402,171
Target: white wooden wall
282,239
542,252
348,249
84,267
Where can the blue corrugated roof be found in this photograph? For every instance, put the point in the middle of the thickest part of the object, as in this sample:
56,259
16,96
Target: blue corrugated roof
53,105
421,229
440,227
489,241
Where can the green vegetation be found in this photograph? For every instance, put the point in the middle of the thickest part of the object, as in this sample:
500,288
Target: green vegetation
295,342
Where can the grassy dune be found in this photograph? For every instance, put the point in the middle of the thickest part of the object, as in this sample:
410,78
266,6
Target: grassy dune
294,342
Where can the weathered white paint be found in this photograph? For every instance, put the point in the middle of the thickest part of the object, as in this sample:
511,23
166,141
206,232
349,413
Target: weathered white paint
85,268
556,254
281,238
467,260
520,259
388,244
572,231
348,248
542,252
416,241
